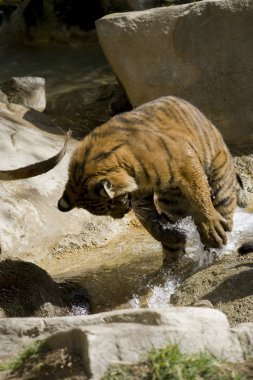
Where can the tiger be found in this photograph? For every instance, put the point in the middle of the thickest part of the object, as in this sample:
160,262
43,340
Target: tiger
164,160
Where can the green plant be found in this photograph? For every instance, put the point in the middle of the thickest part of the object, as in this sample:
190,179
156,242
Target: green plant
33,349
171,364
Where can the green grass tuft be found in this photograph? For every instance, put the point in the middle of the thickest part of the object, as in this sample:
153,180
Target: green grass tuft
170,364
33,349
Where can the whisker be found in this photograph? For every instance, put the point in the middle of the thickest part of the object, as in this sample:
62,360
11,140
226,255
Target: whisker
140,217
142,208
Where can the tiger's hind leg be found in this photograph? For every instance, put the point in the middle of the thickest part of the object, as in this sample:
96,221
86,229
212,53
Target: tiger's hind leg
172,239
224,185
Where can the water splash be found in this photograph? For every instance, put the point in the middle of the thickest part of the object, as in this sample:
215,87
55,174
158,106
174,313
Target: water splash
199,256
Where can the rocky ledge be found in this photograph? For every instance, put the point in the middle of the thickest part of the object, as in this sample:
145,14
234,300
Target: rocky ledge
124,336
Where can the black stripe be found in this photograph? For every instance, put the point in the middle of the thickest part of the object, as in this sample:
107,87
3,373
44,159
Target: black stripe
200,122
183,115
215,171
174,190
239,180
170,115
73,189
87,152
164,146
103,155
145,171
223,202
117,128
77,171
168,201
158,182
130,169
229,184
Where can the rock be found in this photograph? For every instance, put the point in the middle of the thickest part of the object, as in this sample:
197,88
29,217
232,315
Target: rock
202,303
202,56
128,334
31,225
86,106
28,91
27,290
3,97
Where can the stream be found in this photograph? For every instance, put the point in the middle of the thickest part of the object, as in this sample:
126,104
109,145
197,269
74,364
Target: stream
128,272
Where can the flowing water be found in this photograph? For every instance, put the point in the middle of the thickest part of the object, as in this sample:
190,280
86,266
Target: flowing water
129,272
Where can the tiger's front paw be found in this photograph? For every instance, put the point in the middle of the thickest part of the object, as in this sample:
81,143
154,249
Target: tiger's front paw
212,231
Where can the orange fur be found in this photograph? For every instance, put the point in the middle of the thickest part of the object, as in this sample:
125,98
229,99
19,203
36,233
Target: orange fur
163,159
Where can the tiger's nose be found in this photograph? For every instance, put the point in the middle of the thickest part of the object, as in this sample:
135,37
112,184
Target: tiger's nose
64,204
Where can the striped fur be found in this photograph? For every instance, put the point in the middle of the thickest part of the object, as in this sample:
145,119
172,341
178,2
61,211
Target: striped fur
165,160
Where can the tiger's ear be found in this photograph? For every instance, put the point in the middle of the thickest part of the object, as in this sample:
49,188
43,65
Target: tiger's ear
105,189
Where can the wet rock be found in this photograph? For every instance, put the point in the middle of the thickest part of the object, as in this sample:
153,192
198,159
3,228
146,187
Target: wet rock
191,59
28,91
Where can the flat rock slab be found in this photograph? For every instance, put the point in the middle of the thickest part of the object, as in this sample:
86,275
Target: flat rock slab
127,334
202,52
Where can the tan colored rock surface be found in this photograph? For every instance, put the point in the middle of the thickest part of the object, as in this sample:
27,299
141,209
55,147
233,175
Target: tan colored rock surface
227,285
126,335
30,223
201,52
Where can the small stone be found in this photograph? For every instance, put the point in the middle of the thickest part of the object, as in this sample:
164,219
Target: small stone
28,91
202,303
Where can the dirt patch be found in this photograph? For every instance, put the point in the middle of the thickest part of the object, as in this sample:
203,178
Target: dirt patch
50,365
227,284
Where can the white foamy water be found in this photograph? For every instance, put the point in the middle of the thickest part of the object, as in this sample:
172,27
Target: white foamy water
242,232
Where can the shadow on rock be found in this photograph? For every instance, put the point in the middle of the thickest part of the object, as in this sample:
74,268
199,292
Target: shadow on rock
235,287
27,290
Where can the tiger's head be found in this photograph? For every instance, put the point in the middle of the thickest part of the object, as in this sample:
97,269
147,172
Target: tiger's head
98,199
100,187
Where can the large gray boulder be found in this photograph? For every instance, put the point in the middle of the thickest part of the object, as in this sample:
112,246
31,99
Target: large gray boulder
202,52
